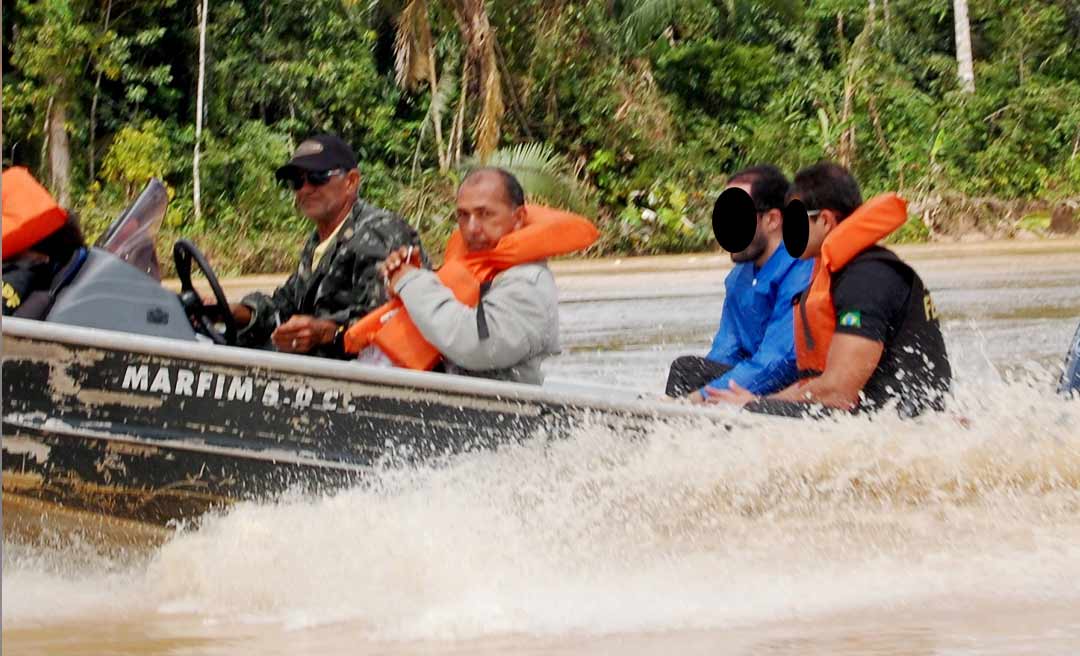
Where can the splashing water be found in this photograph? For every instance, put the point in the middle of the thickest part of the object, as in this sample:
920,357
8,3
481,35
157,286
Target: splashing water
773,523
689,527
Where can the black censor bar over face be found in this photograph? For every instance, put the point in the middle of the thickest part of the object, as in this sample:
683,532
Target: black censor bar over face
735,219
796,228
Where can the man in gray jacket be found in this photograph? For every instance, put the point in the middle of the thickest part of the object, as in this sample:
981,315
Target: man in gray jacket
516,323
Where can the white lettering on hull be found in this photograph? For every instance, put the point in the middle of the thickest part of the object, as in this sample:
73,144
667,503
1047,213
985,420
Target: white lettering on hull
137,378
161,382
223,387
240,388
184,379
205,380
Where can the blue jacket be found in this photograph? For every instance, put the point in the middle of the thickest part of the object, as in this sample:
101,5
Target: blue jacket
756,335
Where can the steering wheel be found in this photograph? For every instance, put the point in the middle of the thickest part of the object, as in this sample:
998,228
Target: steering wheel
201,315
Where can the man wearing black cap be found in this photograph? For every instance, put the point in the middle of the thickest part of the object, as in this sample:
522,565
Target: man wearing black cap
336,281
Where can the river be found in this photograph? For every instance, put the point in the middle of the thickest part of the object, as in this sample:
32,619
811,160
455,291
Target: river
954,534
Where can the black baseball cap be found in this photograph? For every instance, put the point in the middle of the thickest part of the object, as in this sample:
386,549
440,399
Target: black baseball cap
322,152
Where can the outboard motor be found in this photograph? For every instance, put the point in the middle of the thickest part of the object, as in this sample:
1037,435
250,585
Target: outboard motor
1070,379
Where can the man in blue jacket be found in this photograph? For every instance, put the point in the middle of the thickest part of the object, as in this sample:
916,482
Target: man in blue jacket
754,346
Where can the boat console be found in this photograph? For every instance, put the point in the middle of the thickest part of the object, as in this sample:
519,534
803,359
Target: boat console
116,284
109,293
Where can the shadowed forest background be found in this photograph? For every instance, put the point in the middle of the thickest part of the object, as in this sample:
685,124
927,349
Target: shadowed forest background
634,111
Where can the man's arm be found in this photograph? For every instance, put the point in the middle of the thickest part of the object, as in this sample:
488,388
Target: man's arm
851,361
520,310
773,365
870,299
725,346
266,312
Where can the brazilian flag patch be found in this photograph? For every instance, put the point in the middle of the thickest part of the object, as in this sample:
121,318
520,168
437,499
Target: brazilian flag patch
851,319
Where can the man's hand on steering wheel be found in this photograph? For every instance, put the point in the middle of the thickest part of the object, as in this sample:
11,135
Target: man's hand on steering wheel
240,312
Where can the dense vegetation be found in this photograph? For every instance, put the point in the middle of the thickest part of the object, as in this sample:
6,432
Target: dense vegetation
635,109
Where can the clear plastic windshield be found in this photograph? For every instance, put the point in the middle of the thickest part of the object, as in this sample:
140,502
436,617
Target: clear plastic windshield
132,236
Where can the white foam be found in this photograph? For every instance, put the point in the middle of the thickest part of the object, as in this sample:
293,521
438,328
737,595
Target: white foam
687,527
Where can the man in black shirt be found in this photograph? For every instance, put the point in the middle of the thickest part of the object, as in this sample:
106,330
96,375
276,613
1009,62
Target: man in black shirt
866,332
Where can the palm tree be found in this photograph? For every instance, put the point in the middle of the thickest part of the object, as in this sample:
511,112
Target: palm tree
414,60
544,174
480,80
644,19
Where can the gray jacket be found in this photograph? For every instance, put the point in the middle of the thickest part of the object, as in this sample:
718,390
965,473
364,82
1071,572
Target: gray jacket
522,314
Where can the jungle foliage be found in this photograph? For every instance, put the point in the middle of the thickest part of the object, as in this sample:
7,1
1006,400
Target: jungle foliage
633,110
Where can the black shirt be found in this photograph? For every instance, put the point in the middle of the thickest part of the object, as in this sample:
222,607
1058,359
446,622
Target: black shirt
23,275
878,297
871,298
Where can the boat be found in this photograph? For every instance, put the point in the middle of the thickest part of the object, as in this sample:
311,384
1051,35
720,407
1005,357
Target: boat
1070,375
129,402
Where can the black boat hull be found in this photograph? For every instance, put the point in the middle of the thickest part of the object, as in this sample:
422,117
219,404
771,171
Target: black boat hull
157,431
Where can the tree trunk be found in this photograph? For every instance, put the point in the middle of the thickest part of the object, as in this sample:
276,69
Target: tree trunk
59,152
457,133
196,186
481,82
845,149
515,101
964,63
436,117
94,103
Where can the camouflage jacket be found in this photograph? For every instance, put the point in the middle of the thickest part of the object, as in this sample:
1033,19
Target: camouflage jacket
343,287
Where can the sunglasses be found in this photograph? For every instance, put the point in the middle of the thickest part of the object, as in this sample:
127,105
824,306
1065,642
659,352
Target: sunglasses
295,179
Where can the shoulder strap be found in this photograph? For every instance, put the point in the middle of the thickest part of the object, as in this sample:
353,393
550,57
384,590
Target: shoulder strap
481,318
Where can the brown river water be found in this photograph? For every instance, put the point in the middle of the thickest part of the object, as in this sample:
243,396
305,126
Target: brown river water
956,534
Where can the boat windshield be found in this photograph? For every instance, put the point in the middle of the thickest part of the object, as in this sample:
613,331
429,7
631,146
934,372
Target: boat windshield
132,236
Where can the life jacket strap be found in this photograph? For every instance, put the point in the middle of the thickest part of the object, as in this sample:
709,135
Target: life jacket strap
481,319
807,334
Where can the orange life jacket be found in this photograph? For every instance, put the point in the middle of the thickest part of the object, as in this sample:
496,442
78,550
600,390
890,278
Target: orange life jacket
29,213
815,318
547,232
